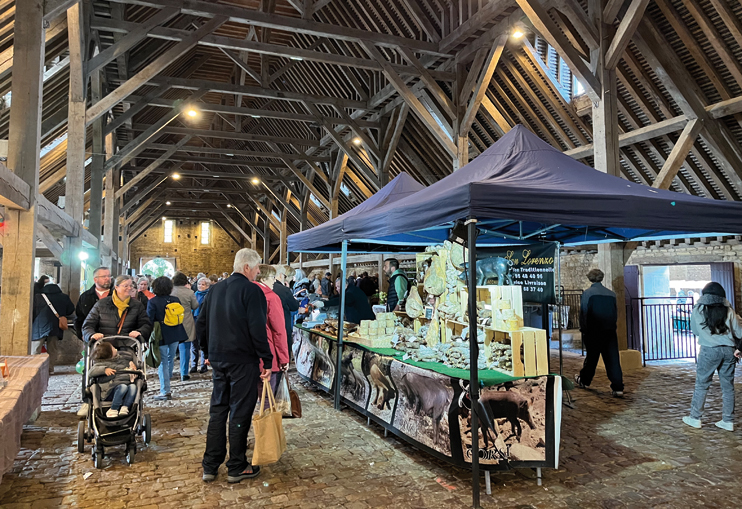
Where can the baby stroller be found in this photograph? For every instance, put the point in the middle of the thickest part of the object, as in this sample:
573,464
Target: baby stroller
108,432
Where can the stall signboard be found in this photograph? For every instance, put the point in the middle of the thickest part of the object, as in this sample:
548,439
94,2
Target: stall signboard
530,267
519,420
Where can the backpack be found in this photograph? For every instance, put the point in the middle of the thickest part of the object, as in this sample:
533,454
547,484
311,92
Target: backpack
174,313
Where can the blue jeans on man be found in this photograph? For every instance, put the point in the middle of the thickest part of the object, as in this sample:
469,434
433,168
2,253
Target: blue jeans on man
167,363
122,395
719,359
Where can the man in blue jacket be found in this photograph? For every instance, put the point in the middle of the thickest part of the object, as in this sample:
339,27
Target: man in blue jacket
231,328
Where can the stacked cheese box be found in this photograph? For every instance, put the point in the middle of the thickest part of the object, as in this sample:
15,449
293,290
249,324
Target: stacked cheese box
376,333
507,308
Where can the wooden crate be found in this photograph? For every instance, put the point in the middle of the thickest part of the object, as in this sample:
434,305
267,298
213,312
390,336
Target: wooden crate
451,328
530,352
504,304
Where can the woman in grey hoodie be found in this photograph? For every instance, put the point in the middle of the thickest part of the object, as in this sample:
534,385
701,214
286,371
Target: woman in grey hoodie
719,331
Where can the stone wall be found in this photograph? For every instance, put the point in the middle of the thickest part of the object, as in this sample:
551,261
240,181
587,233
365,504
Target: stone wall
191,256
576,264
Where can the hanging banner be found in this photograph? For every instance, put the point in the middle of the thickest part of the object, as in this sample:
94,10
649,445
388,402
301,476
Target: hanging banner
530,267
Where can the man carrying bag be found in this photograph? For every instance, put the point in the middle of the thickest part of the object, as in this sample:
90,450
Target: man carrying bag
51,311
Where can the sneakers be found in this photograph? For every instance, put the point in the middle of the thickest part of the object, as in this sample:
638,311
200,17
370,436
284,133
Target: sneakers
124,411
728,426
185,378
208,477
578,381
112,414
693,423
255,471
617,394
163,397
193,370
83,412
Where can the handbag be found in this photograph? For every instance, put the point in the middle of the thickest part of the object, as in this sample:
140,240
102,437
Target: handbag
295,402
62,319
270,442
152,353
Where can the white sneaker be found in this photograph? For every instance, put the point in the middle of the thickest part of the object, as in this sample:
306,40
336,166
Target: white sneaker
124,411
111,414
729,426
693,423
83,412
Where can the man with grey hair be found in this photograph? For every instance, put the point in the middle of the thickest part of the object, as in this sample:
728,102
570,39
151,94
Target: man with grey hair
231,328
598,319
100,290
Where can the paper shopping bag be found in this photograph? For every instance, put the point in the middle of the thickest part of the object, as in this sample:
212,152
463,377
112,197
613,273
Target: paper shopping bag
270,442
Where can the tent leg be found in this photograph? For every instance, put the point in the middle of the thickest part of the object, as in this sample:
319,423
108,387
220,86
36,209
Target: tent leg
473,358
487,482
559,307
341,325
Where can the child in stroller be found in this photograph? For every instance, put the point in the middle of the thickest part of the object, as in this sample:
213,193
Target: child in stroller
116,387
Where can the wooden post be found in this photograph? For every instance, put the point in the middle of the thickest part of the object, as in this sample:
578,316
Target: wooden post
606,153
284,234
266,240
111,226
24,140
95,217
75,183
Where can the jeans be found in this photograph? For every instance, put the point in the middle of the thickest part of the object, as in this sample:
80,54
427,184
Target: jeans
122,395
605,344
234,395
711,359
185,358
197,357
167,361
52,346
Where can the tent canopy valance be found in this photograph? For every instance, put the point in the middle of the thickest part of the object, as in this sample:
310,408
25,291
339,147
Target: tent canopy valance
522,190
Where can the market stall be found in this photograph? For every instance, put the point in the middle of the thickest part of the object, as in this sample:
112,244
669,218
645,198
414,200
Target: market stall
519,191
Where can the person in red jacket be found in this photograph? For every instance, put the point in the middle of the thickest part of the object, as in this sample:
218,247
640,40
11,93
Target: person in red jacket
276,324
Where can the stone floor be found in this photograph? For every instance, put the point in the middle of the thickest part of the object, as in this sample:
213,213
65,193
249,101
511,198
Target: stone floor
633,452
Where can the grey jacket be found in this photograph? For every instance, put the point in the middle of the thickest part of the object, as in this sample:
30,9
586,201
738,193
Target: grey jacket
188,299
107,383
705,338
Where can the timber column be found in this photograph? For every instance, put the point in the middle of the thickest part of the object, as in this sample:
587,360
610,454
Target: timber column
24,140
75,183
605,143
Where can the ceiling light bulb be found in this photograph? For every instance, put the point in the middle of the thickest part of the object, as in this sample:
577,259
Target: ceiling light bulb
297,58
167,203
229,205
256,181
357,140
192,113
83,255
176,176
518,33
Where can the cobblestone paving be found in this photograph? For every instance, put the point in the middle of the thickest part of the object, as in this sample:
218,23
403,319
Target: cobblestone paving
633,452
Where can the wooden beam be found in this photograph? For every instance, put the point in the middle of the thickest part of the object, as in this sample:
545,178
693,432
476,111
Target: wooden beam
229,135
57,28
474,24
15,193
234,224
412,101
152,166
153,69
625,32
391,139
430,82
548,29
678,154
49,241
220,225
636,136
485,76
416,11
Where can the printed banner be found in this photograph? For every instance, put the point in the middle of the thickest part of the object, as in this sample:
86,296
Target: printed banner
530,267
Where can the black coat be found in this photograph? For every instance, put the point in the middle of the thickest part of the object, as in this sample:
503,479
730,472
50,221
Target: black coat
104,318
45,323
231,324
290,304
357,307
85,303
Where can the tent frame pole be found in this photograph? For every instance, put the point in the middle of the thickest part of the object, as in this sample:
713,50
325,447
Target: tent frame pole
341,323
560,301
471,224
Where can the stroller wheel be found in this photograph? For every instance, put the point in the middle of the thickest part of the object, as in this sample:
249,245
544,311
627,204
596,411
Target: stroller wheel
98,458
147,428
130,452
81,436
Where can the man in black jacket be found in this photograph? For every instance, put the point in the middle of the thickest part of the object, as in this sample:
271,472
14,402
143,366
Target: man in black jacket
289,302
357,307
231,328
47,302
100,290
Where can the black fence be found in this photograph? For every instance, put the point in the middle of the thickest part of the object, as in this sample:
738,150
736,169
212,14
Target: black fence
660,327
572,298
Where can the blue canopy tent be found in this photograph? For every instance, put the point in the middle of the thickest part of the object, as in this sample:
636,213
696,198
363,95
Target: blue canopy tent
520,190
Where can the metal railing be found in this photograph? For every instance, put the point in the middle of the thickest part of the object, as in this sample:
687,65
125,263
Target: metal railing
571,298
661,327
